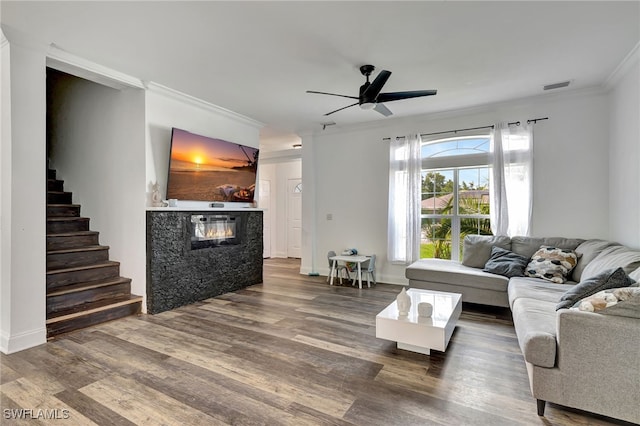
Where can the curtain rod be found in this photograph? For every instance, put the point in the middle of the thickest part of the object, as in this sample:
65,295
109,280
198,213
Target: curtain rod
515,123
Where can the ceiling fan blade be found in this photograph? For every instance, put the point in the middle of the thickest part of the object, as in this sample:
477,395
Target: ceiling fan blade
383,110
340,109
396,96
375,87
332,94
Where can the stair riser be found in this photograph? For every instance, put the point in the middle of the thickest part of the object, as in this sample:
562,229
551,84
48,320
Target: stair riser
56,198
51,174
58,227
82,258
67,242
77,299
82,276
93,319
63,211
55,185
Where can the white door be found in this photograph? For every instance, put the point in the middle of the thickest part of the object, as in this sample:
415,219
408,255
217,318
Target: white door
264,202
294,218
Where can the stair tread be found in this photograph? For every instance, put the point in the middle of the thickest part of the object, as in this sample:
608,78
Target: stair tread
73,234
81,268
90,308
58,192
62,205
79,249
66,218
75,288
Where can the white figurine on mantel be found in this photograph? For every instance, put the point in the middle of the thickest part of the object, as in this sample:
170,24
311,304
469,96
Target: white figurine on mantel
403,301
156,198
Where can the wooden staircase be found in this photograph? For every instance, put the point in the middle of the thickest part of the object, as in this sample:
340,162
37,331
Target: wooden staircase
84,287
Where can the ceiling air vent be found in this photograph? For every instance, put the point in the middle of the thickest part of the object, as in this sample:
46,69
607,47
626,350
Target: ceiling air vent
556,85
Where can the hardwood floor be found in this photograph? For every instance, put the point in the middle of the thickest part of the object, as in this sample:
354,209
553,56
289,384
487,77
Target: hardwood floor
292,350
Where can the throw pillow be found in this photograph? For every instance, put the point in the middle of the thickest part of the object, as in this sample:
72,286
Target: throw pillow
619,301
612,278
552,264
477,248
505,262
628,303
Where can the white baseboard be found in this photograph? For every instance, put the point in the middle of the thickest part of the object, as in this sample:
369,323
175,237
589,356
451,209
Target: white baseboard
21,341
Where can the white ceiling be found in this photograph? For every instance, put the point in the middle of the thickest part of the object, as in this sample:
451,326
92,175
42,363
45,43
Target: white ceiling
259,58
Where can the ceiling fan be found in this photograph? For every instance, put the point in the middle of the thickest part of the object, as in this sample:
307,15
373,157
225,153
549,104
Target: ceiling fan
370,96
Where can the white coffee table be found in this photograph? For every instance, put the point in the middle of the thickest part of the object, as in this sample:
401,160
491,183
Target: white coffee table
418,334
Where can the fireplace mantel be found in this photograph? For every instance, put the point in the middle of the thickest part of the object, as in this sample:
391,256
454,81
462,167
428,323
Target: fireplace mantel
178,274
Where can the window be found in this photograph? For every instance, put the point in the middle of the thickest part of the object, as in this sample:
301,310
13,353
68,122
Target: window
455,199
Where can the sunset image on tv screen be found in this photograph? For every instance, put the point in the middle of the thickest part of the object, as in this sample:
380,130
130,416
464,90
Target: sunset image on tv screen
209,169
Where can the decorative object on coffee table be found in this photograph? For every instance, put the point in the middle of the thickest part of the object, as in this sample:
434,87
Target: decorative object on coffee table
425,309
404,303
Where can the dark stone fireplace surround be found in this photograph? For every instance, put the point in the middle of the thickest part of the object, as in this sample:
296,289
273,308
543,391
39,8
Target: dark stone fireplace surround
178,275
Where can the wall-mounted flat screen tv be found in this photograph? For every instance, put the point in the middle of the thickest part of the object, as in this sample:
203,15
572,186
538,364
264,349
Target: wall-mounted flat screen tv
208,169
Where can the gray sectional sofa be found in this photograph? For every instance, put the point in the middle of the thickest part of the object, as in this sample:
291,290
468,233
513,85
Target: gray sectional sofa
584,360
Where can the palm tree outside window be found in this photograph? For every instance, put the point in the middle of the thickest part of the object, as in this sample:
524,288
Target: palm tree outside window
455,198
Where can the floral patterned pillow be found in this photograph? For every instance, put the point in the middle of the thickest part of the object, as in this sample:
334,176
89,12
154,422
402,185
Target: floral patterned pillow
551,264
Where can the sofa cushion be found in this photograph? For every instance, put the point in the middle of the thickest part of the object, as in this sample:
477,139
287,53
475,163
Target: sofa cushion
535,324
535,288
587,251
611,258
451,272
552,263
527,246
611,278
506,263
635,275
477,248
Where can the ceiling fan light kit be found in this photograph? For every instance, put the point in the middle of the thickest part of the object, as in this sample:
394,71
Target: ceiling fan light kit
370,96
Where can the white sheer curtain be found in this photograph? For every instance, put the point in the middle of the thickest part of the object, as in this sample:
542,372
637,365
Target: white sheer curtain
512,179
404,199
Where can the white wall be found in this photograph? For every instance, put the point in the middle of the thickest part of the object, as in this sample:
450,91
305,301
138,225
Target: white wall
624,160
97,147
165,109
349,172
22,198
279,170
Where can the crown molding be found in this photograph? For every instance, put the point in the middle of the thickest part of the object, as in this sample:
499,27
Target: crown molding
64,61
20,38
3,40
623,67
199,103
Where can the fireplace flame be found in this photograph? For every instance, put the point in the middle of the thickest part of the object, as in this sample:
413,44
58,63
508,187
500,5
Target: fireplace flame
218,233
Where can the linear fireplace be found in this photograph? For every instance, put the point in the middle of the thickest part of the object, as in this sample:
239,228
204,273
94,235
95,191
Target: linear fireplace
209,230
178,274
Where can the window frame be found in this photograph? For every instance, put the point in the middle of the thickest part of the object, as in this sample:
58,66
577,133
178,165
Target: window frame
455,163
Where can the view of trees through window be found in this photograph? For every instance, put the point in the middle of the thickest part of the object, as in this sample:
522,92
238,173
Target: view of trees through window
455,200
